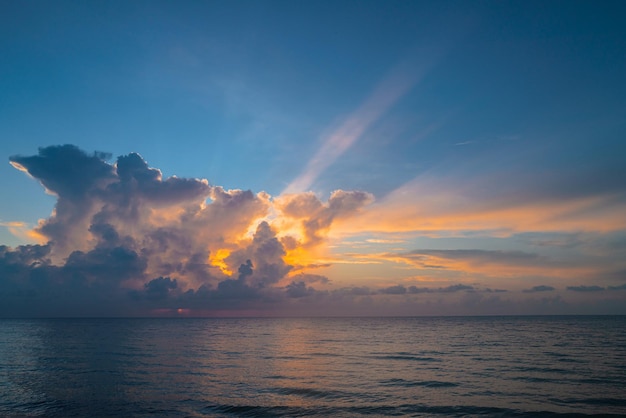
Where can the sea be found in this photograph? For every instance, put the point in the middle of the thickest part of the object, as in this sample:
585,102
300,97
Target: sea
535,366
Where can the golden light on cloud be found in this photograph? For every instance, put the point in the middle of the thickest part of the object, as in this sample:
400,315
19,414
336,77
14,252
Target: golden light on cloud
494,264
19,167
23,169
217,259
440,211
24,232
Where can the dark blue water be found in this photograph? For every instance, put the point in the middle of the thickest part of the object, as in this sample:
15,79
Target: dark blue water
506,366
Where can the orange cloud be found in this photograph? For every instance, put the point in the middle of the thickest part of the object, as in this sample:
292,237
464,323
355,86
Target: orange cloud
493,264
435,209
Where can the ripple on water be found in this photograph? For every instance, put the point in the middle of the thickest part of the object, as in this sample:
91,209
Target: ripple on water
424,383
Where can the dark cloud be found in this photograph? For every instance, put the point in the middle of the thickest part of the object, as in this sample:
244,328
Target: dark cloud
311,278
401,290
88,283
585,288
28,255
245,270
160,287
22,272
67,171
299,290
540,288
455,288
105,234
236,289
106,264
447,289
394,290
621,287
137,181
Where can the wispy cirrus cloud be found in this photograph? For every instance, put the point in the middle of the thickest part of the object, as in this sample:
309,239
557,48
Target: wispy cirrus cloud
453,205
394,86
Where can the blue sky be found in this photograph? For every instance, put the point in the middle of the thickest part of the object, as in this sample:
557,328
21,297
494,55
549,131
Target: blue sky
451,128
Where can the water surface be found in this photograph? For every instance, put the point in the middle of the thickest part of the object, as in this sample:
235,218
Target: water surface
484,366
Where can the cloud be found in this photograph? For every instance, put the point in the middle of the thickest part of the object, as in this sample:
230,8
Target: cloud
540,288
122,239
447,289
88,283
401,290
266,253
396,84
89,190
488,290
475,256
299,290
21,230
314,218
583,288
455,203
29,255
160,287
66,171
354,291
484,262
394,290
108,265
509,265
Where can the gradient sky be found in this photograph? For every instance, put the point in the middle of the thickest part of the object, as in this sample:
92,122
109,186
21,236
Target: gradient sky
312,158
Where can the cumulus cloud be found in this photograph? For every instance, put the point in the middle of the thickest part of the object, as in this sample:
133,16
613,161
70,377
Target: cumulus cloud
160,287
314,217
299,290
122,238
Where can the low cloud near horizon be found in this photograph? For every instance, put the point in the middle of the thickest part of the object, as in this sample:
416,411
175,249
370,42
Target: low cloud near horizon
124,241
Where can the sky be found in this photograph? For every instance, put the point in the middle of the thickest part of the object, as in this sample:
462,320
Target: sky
281,158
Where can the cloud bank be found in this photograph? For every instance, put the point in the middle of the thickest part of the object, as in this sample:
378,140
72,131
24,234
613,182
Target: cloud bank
124,241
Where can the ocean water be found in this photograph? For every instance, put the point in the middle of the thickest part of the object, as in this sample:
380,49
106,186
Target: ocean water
322,367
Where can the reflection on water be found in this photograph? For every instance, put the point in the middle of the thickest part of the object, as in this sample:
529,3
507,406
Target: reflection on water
319,367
